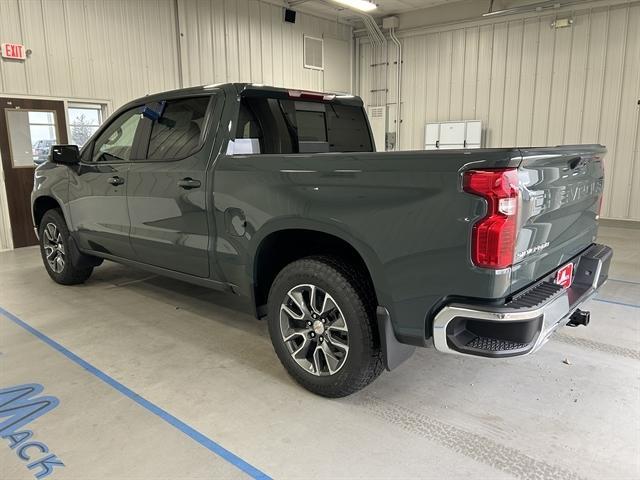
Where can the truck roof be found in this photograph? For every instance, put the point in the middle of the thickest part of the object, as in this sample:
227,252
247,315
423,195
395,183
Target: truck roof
249,89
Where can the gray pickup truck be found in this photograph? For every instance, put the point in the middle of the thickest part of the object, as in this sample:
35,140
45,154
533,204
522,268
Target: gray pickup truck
355,257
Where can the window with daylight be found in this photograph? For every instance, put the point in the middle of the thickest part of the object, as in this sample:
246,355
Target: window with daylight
32,133
84,120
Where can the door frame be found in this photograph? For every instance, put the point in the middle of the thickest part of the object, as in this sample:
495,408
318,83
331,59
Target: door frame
6,234
107,104
18,180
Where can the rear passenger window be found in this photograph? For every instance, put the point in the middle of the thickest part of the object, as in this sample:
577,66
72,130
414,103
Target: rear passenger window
262,128
178,132
248,133
273,126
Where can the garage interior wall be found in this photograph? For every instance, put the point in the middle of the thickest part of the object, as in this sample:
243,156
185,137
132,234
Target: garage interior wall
249,42
91,50
120,50
530,84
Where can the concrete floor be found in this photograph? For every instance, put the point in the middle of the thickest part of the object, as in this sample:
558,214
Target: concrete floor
182,375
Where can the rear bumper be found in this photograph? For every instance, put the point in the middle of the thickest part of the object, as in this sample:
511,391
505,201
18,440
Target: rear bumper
526,322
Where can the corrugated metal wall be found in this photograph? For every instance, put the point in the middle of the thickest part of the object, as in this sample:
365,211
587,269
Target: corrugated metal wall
247,41
102,50
117,50
531,84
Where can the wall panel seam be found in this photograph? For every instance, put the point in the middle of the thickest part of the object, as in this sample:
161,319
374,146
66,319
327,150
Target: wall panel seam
612,157
519,80
566,89
46,42
553,74
604,69
586,76
23,40
535,82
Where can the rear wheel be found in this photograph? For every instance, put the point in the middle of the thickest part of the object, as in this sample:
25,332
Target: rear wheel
322,327
55,249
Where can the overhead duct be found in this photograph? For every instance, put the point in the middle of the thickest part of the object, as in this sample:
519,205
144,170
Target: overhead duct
391,23
531,7
379,58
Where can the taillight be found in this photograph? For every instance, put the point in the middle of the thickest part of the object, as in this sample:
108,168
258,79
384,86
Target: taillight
494,236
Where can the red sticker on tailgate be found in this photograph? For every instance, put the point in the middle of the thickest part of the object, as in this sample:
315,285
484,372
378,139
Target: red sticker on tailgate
564,276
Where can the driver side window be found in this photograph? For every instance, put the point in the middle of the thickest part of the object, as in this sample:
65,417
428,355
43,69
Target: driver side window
116,142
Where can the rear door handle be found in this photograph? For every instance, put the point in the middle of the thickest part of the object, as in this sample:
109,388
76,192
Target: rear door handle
188,183
116,181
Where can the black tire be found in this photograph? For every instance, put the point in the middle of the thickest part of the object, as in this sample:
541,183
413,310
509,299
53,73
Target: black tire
347,287
69,273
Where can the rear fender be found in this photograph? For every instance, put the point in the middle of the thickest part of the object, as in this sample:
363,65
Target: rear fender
369,257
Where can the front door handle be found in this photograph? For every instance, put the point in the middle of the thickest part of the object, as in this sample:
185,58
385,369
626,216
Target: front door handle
188,183
116,181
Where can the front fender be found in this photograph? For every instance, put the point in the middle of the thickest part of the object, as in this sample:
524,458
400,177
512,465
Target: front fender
52,181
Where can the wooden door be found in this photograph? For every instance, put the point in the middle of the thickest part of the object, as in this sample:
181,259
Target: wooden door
28,128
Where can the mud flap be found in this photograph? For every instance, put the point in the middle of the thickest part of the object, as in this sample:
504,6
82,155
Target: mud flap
79,259
394,352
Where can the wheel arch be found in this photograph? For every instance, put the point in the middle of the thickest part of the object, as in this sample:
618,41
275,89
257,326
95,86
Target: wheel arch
278,247
41,205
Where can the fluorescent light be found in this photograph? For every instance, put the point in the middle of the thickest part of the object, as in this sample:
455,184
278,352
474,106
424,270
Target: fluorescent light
362,5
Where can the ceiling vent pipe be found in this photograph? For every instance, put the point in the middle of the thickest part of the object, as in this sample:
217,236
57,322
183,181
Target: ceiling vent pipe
391,23
379,53
531,7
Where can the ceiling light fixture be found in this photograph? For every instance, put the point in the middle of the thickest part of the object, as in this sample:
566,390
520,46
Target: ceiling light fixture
361,5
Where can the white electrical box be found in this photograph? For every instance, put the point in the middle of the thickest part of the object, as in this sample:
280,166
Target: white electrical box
390,22
452,135
378,121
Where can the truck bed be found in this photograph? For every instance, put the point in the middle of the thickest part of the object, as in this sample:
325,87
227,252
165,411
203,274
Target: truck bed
407,215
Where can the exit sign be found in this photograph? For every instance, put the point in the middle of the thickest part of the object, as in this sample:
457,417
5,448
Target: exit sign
14,51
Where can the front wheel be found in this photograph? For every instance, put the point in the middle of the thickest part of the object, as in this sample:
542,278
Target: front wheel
55,249
322,327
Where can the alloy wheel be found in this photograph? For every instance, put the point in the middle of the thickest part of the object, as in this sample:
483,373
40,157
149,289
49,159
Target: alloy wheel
314,330
54,248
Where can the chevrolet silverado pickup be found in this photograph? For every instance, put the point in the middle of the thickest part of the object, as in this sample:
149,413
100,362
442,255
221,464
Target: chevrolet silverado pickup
354,257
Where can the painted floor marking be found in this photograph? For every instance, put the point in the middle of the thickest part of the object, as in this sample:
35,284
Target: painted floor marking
191,432
615,302
624,281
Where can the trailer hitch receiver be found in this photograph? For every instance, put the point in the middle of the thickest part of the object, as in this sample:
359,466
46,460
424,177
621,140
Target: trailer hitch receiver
579,317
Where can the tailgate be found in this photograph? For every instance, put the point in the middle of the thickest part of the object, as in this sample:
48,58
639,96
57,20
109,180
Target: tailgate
561,188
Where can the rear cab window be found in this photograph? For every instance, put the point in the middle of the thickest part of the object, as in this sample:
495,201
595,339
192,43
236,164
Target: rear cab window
285,126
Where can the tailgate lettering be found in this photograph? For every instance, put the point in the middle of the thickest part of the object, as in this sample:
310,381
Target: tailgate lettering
580,190
531,250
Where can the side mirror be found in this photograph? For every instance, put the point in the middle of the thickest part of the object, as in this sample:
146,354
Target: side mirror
65,154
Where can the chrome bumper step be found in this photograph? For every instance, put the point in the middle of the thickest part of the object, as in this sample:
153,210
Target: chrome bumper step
523,324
